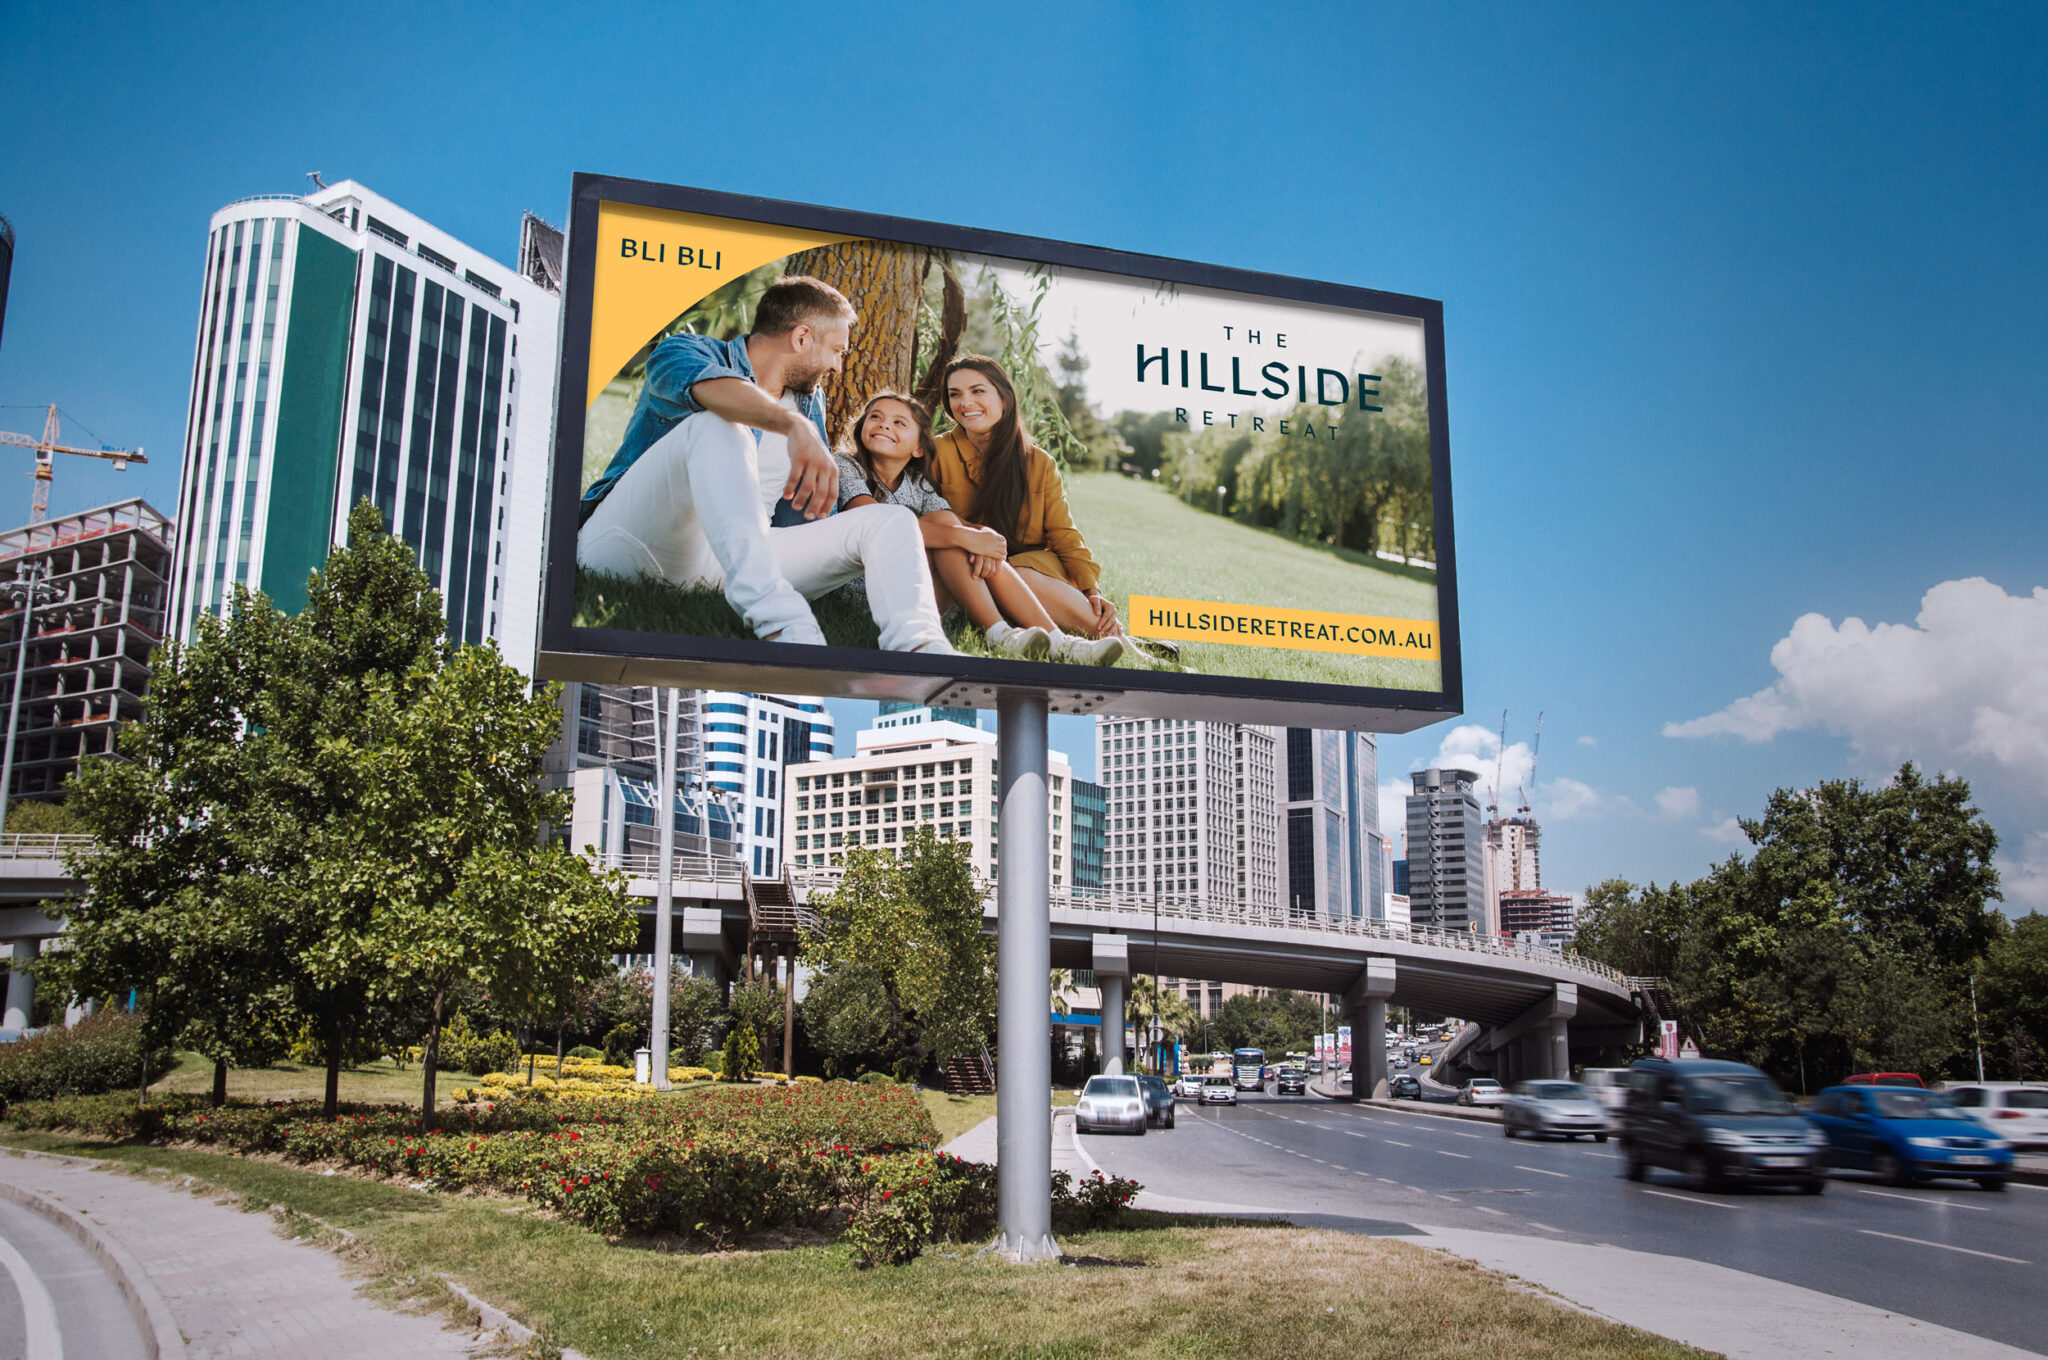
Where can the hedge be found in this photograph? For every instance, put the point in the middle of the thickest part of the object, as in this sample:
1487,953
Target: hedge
100,1053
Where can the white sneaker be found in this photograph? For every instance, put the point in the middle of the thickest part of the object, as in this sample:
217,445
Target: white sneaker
1026,644
1105,651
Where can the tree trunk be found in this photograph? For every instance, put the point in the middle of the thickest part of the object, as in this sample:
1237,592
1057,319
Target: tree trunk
789,1018
880,279
558,1051
331,1106
220,1082
430,1056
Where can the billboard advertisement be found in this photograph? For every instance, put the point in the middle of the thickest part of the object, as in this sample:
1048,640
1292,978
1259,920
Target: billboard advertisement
800,448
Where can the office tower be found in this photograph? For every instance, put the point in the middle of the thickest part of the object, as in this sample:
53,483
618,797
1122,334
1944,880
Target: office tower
1446,853
347,349
1091,816
1255,821
749,743
898,713
1331,848
89,653
1172,806
935,773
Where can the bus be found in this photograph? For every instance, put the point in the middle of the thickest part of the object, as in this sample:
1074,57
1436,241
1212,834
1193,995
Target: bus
1249,1066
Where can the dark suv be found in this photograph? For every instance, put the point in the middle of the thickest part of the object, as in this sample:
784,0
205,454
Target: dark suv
1292,1081
1718,1122
1158,1101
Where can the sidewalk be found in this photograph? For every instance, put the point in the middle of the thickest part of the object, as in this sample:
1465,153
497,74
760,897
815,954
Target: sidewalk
234,1287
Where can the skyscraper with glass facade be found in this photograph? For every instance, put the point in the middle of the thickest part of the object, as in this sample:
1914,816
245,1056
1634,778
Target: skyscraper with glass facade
349,349
1330,844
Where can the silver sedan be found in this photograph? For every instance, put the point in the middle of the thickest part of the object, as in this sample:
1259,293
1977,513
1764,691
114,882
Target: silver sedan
1562,1108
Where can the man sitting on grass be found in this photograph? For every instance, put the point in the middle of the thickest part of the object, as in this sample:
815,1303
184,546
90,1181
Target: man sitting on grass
724,479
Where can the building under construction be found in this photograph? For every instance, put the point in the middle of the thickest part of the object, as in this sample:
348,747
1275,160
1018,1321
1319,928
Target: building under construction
88,649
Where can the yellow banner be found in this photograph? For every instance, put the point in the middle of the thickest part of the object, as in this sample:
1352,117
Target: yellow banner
1303,630
654,264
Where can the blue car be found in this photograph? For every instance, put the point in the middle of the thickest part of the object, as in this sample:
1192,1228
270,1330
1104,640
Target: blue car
1904,1135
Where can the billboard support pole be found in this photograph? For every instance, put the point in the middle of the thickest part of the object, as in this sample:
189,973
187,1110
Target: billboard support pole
664,891
1023,968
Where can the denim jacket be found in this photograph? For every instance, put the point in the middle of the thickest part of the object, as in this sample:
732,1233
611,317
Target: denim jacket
678,364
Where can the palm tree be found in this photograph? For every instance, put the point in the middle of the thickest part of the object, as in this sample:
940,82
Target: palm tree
1175,1018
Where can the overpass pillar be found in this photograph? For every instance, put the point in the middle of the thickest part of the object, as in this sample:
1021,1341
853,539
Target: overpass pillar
1366,1006
1112,964
1023,970
1557,1047
21,988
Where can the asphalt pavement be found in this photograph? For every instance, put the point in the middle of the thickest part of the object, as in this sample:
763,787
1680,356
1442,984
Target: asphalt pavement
1949,1253
56,1298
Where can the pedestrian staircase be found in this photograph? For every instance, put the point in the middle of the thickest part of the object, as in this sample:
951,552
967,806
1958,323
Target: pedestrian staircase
971,1074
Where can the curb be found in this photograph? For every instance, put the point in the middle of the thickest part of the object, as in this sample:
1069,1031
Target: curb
502,1322
1419,1107
159,1330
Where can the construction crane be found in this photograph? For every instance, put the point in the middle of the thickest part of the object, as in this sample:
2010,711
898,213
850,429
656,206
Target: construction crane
1499,763
48,445
1535,751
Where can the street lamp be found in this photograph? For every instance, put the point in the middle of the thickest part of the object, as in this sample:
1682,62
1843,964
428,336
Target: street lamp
28,589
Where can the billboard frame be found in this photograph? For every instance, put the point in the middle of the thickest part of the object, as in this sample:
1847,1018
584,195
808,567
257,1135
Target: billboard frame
615,656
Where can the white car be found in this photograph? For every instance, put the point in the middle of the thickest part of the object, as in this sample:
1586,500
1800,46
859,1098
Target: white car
1543,1108
1219,1091
1609,1086
1110,1103
1482,1091
2016,1111
1189,1087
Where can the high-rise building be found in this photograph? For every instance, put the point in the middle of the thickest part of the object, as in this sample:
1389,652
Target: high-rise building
749,743
1091,815
349,349
1512,864
1535,916
1446,852
89,651
936,774
1171,789
1331,847
899,713
1255,823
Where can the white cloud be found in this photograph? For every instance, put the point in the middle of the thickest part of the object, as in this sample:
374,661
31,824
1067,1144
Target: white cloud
1475,748
2025,879
1394,812
1727,831
1678,803
1589,741
1963,687
1564,799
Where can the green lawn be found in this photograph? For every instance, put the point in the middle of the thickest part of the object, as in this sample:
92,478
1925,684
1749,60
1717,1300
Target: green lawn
1148,543
379,1082
1189,1286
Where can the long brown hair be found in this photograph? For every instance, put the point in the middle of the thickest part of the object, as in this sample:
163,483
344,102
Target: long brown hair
1004,483
920,464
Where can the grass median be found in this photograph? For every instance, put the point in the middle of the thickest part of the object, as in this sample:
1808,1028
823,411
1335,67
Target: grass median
1178,1286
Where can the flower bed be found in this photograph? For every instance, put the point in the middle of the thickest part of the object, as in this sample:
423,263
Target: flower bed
716,1164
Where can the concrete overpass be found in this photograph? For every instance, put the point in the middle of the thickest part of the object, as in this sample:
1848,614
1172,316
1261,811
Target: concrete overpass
1538,1011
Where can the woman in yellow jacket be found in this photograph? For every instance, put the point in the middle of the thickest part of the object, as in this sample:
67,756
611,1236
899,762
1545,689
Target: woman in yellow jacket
992,474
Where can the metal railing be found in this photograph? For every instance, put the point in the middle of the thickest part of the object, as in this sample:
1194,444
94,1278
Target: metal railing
1136,908
52,847
688,865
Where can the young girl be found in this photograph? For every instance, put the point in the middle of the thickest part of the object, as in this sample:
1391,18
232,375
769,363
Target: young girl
990,471
885,458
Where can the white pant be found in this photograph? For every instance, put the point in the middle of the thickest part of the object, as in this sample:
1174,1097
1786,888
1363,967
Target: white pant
691,511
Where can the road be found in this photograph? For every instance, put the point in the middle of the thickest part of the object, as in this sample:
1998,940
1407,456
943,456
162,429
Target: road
1966,1258
56,1299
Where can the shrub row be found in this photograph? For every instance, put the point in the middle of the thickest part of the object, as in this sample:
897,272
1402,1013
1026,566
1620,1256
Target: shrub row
717,1164
100,1053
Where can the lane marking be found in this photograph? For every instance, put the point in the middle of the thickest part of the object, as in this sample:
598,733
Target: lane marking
38,1310
1967,1251
1461,1156
1919,1199
1688,1199
1610,1156
1541,1172
1544,1226
1396,1142
1456,1134
1485,1210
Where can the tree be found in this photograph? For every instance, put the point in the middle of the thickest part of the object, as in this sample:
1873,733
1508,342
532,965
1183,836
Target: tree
902,970
1844,942
880,279
2014,997
441,840
176,901
1147,1004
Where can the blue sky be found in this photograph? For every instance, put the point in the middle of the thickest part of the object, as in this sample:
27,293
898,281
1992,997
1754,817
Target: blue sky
1743,302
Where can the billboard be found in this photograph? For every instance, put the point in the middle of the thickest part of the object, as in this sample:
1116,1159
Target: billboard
812,450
